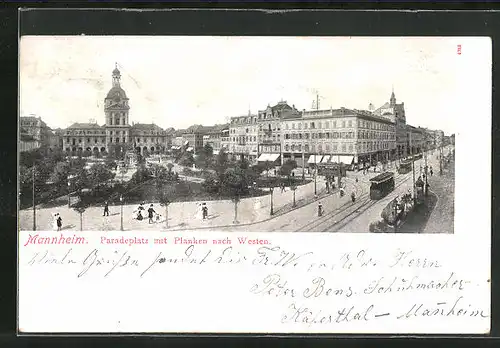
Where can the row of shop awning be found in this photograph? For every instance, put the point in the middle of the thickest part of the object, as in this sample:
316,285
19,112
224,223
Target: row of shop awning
313,159
268,157
316,159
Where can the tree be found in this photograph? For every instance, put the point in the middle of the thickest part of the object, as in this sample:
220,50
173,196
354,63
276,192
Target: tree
80,208
141,174
221,162
205,156
110,163
100,173
165,201
287,168
186,159
235,184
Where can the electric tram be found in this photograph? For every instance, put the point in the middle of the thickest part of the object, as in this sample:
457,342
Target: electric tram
381,185
405,166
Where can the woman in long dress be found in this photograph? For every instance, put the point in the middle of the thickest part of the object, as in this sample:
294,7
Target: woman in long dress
199,212
54,221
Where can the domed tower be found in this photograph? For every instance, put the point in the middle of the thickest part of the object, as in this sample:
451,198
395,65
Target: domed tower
116,109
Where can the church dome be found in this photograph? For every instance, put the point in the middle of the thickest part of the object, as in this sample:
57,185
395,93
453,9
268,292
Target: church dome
116,71
116,92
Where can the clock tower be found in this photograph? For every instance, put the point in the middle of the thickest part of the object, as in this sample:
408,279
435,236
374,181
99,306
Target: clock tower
116,109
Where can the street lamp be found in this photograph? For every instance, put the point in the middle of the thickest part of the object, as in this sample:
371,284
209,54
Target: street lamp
293,187
271,189
121,212
33,194
315,174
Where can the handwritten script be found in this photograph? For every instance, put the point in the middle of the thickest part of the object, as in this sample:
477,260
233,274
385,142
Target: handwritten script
352,286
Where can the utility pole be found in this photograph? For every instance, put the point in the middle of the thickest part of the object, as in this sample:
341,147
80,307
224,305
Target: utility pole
440,159
315,173
317,101
303,164
413,170
425,164
33,193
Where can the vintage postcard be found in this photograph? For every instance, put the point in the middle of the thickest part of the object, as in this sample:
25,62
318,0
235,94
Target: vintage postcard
254,184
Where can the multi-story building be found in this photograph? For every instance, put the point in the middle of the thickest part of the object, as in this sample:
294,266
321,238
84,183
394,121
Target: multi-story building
214,137
34,133
338,135
194,137
270,135
148,138
225,140
396,113
243,133
116,135
416,139
84,136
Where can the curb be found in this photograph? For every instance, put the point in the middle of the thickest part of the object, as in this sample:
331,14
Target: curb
250,223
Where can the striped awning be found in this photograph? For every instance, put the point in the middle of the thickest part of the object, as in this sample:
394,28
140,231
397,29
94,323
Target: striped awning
315,159
325,159
268,157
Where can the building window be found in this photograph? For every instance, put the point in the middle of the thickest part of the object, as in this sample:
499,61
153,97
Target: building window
306,147
287,147
349,123
319,125
305,125
110,140
300,125
123,139
350,148
79,140
312,125
327,148
343,124
334,124
293,147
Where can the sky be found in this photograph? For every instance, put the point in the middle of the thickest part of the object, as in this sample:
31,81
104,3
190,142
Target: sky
180,81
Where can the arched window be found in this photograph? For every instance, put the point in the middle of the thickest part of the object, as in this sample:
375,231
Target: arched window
287,147
293,147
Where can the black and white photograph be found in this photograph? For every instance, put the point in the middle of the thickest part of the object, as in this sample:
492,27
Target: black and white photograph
275,134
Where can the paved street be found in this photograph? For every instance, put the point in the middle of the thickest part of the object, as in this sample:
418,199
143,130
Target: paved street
182,215
340,214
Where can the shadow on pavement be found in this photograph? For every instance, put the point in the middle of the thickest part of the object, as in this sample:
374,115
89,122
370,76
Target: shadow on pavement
417,220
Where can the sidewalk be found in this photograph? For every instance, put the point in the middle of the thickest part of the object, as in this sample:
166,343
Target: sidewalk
442,217
182,215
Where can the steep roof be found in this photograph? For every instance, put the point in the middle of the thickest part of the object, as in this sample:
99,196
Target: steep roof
77,125
146,127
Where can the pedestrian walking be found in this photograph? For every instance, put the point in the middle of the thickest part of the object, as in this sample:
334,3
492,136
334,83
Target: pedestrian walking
353,196
59,222
282,185
151,213
205,211
431,171
106,209
320,209
327,187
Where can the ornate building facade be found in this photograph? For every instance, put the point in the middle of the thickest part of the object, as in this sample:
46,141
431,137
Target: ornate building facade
116,135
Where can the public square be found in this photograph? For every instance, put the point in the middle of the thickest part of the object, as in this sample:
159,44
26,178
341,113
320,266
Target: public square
340,213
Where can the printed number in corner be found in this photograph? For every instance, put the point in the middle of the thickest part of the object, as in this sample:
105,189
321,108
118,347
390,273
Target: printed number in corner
459,49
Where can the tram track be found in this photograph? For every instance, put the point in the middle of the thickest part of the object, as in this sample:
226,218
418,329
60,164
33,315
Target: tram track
333,221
